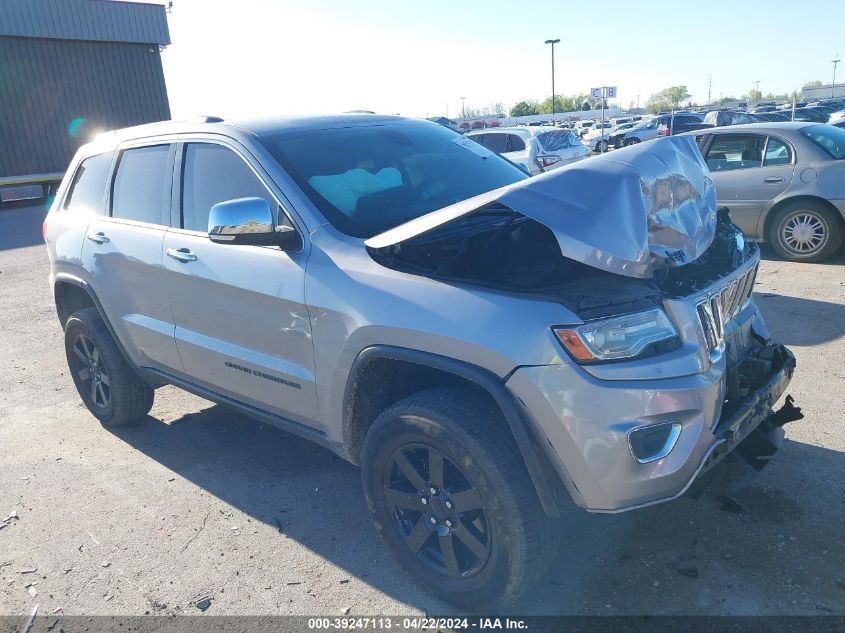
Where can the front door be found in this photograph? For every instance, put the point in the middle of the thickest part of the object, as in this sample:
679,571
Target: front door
749,171
242,329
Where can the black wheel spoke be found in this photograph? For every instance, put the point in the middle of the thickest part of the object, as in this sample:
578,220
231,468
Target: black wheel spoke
102,393
80,354
418,536
104,379
467,500
86,347
411,473
408,500
93,391
468,538
435,468
85,373
447,548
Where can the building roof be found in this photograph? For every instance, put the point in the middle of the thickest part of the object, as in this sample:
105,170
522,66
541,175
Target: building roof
92,20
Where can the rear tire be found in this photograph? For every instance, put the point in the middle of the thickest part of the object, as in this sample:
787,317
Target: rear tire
472,531
806,232
108,386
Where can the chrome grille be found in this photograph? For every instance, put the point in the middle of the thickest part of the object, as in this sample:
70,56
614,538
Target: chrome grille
721,306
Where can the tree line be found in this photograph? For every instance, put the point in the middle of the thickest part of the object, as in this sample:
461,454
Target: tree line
669,98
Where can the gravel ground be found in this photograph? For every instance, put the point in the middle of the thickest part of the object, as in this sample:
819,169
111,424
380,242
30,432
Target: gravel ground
199,502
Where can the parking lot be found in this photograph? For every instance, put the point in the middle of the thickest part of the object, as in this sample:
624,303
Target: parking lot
198,502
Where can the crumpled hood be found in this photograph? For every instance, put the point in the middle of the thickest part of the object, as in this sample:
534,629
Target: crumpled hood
630,212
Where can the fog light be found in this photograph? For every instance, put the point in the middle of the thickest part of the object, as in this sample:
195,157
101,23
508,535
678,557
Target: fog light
650,443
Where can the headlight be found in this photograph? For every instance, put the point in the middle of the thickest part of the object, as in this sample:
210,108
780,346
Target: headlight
629,336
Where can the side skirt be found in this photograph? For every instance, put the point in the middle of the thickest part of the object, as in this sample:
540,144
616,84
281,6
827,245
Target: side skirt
271,419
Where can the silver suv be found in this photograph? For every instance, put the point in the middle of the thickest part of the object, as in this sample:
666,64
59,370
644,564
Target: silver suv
483,344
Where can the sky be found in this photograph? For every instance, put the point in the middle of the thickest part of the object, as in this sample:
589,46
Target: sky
252,58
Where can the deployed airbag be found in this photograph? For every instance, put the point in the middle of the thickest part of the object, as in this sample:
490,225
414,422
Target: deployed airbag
631,212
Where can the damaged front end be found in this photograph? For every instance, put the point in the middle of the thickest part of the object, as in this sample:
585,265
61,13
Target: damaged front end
625,233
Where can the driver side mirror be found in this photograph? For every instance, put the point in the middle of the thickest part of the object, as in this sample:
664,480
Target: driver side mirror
249,221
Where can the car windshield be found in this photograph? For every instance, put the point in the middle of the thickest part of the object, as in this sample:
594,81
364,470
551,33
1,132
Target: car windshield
830,138
368,179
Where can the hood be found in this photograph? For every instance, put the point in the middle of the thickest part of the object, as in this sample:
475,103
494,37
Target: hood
631,212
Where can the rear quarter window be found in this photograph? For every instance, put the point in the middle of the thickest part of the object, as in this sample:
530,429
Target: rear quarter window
89,184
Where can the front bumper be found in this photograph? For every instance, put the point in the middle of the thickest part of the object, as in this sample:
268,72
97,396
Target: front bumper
586,422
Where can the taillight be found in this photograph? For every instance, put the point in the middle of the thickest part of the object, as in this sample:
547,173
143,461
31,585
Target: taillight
665,131
547,161
44,230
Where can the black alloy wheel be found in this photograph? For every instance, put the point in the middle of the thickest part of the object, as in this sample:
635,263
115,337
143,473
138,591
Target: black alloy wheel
87,363
438,513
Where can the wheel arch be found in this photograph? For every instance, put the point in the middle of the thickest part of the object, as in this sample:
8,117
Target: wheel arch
72,293
409,371
780,204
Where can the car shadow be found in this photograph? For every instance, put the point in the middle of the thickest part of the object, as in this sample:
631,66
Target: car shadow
769,254
303,490
802,322
310,495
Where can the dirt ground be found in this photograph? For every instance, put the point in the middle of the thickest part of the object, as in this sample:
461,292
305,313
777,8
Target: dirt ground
196,501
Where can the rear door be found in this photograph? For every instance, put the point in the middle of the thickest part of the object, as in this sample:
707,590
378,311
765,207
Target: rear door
749,172
122,253
242,329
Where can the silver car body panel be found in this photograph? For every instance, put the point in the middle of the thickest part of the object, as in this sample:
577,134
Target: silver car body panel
305,317
659,199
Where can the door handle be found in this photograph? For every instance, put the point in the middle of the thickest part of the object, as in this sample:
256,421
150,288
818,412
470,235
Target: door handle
181,254
99,238
773,180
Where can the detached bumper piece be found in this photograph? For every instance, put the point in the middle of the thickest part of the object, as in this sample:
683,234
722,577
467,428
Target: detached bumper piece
751,430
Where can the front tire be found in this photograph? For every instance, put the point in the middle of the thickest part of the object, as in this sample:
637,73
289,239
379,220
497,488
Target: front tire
631,141
452,501
108,386
805,232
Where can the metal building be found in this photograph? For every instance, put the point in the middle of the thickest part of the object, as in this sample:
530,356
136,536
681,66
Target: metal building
70,69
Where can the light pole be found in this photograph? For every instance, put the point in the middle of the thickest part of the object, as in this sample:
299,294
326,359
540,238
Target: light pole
553,42
463,107
757,88
833,83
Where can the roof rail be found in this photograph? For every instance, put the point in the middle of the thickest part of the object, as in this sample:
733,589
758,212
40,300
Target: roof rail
206,119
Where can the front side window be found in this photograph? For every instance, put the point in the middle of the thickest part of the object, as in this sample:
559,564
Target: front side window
89,184
735,151
830,138
140,184
367,179
213,173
